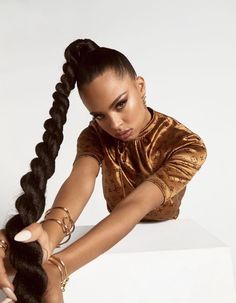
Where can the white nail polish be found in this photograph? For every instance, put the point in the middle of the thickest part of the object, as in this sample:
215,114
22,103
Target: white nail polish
7,300
8,292
23,235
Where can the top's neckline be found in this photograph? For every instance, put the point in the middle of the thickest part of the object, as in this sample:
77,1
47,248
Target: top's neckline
149,126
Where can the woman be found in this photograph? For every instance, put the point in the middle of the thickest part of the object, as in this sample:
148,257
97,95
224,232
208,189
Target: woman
147,159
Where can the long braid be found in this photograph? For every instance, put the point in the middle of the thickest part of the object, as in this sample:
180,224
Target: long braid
31,280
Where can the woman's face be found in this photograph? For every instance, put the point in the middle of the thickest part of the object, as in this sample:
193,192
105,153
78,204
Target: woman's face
117,104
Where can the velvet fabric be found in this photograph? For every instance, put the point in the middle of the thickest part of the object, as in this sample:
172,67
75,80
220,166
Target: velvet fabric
165,153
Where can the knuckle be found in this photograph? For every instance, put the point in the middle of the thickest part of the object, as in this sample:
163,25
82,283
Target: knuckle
36,226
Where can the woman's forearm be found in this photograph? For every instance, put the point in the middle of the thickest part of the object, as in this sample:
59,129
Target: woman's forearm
74,201
112,228
73,195
101,237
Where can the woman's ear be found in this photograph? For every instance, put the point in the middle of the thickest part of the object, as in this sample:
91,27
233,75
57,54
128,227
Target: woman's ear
140,82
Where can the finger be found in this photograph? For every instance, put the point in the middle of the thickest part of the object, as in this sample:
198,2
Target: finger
5,285
30,233
35,232
4,281
7,300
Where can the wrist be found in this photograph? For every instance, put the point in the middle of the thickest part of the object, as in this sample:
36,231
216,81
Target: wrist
58,225
61,269
69,257
54,234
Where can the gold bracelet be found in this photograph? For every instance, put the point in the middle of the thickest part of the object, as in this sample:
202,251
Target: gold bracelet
67,227
4,245
59,207
62,268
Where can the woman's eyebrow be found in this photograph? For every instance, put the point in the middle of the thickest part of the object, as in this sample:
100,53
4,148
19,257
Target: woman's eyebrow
113,103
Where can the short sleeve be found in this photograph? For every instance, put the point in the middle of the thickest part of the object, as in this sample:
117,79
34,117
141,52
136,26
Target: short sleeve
181,164
89,144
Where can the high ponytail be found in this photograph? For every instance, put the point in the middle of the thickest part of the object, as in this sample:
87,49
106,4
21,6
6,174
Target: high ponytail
85,60
30,281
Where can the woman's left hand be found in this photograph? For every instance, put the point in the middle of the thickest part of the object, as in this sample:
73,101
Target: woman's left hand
36,232
53,292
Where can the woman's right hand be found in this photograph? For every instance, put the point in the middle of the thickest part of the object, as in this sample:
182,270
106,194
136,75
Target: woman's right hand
33,232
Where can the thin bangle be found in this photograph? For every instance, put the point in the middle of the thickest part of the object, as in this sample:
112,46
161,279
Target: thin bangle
62,268
67,232
59,207
67,227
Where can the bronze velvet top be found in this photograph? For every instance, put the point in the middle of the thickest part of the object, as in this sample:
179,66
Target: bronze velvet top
166,153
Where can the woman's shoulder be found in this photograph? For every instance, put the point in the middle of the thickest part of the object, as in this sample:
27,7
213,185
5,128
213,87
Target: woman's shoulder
170,120
164,116
172,128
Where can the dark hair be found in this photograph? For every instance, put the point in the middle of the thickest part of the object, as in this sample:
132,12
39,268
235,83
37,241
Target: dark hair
85,60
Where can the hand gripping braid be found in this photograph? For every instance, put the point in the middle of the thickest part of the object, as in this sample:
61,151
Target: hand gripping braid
31,280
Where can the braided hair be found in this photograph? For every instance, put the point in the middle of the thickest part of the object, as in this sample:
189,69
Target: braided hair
85,60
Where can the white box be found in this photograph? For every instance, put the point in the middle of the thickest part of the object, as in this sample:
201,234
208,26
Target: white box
175,261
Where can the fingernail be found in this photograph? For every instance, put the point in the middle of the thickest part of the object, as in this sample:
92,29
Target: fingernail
7,300
8,292
23,235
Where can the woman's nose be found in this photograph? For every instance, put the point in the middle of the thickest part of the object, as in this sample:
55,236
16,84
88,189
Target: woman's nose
115,123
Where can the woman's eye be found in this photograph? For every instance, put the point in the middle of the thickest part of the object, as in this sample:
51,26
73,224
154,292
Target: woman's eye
121,104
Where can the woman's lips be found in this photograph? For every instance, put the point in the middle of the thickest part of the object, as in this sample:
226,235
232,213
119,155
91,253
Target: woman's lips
125,134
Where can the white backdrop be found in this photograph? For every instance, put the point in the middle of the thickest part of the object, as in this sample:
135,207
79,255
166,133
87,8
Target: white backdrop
184,49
